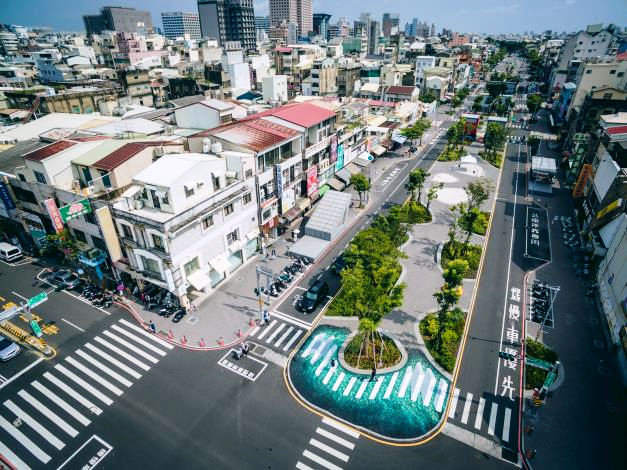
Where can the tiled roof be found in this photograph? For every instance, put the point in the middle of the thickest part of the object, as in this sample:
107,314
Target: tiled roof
303,114
90,138
49,150
256,134
119,156
400,90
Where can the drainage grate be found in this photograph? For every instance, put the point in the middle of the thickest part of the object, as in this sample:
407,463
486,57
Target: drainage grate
509,454
192,320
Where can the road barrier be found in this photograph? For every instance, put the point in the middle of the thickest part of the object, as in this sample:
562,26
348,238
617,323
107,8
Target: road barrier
26,338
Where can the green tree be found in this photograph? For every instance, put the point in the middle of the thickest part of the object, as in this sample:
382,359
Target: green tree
421,125
494,139
533,104
410,133
361,185
455,272
477,104
428,97
371,247
393,224
495,88
432,193
416,182
456,102
478,192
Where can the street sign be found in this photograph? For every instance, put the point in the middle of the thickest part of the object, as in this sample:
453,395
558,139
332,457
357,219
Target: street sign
550,378
38,299
35,326
532,361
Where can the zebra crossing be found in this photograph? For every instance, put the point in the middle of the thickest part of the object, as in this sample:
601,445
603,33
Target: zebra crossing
46,415
415,381
329,448
279,335
498,416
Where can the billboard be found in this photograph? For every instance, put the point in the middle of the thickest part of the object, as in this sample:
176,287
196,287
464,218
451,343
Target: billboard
333,156
339,164
312,181
278,178
54,214
74,210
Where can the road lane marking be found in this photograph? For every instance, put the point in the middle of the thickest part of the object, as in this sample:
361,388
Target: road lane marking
61,403
506,424
493,412
103,368
330,373
467,405
291,341
302,466
376,387
18,295
138,340
72,324
283,336
267,329
362,388
36,426
349,386
329,450
441,395
14,459
51,415
338,381
388,391
333,437
340,427
24,441
275,333
122,353
23,371
325,360
72,376
451,411
479,415
405,382
430,388
418,378
321,349
320,460
113,360
93,375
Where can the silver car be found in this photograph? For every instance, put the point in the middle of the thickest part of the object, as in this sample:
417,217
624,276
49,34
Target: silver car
8,349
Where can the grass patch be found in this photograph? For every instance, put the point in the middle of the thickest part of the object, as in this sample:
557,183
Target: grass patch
472,255
480,225
449,155
444,353
534,376
494,159
390,357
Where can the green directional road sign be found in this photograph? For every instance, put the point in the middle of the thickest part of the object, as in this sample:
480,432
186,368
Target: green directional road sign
532,361
35,326
38,299
550,378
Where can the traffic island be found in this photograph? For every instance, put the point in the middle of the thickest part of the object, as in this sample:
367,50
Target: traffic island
401,404
22,337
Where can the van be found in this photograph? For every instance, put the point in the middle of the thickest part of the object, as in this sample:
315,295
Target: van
9,252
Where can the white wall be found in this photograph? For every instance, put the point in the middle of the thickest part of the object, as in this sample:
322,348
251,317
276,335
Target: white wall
197,116
240,76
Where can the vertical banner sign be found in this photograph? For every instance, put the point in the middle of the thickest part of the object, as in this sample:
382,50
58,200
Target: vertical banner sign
5,195
278,176
312,181
333,156
537,235
55,216
369,144
339,164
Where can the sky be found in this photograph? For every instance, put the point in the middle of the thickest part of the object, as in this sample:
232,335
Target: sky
480,16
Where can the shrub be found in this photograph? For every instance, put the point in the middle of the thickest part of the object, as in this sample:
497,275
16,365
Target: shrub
480,225
414,213
391,354
449,154
472,256
444,353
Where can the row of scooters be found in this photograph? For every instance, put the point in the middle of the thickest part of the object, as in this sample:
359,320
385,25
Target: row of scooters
169,306
570,234
540,301
97,296
285,277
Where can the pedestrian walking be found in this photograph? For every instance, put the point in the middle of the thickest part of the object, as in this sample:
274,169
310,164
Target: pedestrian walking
529,430
373,373
332,362
192,307
245,348
153,327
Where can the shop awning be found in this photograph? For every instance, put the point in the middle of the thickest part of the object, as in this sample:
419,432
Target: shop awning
344,175
292,214
238,245
336,184
323,189
354,169
253,234
379,150
198,279
304,203
386,142
220,264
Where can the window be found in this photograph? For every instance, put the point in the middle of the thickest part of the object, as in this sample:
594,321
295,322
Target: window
228,209
247,198
40,177
90,218
127,231
588,72
232,237
189,191
215,180
612,72
607,96
150,265
249,173
157,242
191,266
620,74
207,222
99,243
80,235
24,195
23,179
266,214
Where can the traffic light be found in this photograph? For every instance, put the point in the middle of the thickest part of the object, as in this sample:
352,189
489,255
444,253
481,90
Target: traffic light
507,356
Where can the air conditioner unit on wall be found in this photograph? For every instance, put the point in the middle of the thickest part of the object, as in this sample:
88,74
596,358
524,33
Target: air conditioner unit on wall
138,204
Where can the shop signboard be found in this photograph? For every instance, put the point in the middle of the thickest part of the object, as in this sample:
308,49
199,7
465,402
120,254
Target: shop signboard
334,149
278,178
74,210
55,216
339,164
312,181
5,196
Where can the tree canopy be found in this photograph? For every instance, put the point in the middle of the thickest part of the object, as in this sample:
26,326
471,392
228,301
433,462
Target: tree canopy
361,185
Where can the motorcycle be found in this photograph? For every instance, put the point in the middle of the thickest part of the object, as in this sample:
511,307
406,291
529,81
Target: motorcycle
178,315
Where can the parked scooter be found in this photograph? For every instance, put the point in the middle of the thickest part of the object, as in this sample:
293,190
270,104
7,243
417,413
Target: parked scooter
178,315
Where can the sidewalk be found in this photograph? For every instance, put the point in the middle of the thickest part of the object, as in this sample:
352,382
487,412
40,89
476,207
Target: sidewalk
228,315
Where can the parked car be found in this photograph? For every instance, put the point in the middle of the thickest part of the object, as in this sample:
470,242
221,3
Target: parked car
339,264
64,279
10,252
316,295
8,349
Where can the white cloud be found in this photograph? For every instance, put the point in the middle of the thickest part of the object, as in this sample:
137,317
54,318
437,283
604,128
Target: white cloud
261,7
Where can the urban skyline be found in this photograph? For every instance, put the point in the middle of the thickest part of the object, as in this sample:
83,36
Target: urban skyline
486,16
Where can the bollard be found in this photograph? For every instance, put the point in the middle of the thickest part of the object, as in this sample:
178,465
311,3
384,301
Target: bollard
531,453
170,335
239,333
220,341
184,340
251,322
202,342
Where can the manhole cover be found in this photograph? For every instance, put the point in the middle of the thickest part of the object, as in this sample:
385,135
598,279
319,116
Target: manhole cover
598,343
192,320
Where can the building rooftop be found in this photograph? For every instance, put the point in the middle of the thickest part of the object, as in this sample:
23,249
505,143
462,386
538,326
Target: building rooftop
616,130
186,100
51,121
11,158
400,90
614,119
169,168
41,154
120,156
255,134
216,104
136,125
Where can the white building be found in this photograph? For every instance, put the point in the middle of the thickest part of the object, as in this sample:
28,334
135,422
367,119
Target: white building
205,114
275,88
188,222
423,62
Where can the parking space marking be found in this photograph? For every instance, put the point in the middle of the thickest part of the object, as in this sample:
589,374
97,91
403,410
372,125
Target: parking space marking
252,376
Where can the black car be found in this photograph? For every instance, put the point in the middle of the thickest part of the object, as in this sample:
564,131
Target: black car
339,264
64,279
313,297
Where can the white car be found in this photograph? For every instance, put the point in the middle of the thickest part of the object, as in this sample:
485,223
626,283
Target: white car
8,349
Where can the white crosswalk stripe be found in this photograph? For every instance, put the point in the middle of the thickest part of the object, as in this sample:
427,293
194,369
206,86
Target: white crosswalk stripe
275,333
267,329
90,375
292,340
330,447
496,418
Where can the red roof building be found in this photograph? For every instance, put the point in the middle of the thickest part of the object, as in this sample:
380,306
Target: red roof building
255,134
49,150
302,114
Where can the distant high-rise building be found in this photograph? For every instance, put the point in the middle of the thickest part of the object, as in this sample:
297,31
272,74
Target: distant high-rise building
177,24
299,12
390,21
321,24
262,23
432,30
374,31
411,28
228,20
121,19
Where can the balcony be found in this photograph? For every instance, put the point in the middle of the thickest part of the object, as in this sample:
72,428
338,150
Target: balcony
316,148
